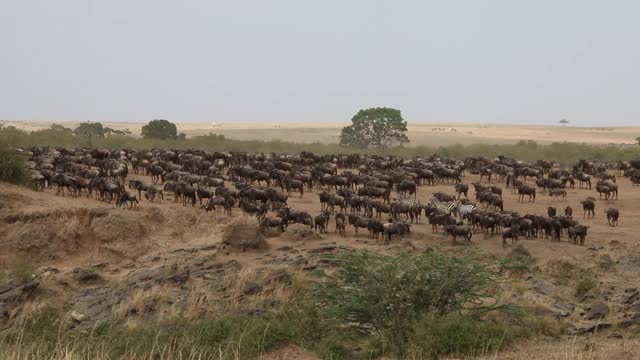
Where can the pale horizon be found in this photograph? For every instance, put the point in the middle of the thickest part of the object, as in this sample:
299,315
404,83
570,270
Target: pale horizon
495,62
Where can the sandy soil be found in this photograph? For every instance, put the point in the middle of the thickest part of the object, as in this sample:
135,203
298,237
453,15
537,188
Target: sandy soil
429,134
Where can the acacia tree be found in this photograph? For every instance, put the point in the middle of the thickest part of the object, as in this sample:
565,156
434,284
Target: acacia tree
375,127
160,129
91,129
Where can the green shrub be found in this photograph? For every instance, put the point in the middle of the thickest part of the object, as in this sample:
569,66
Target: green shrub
12,167
386,294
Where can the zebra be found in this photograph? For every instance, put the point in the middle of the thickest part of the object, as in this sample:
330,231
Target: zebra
415,207
443,206
407,200
463,210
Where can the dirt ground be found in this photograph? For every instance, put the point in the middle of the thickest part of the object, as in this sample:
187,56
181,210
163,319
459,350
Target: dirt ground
428,134
65,234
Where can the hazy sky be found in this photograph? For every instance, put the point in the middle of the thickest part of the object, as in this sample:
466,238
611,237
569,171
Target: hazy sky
488,61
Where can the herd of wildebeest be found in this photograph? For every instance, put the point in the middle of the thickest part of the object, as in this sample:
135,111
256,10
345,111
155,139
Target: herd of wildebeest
375,193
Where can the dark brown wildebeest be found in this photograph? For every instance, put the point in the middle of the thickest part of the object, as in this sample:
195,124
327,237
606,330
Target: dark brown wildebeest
510,233
376,228
612,216
125,197
440,196
358,222
457,230
395,228
436,219
275,222
406,186
526,190
583,179
558,192
577,234
551,211
588,207
293,184
610,186
322,222
461,188
568,211
340,223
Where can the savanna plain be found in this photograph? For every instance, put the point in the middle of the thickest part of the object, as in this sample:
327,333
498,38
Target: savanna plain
82,278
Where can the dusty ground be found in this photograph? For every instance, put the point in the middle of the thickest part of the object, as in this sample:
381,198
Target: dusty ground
135,250
430,134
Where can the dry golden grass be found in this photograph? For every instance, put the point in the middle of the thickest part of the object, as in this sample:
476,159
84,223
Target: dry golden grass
577,348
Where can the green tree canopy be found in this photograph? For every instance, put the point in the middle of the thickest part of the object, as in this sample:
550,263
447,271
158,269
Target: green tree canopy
375,127
160,129
91,129
58,127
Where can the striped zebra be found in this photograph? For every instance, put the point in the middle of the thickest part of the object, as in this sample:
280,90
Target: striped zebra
414,206
407,200
443,206
463,210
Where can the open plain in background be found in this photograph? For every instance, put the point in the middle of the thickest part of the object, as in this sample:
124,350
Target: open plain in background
420,134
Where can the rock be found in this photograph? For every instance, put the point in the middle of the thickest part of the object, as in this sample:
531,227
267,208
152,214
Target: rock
87,274
18,293
542,288
78,317
598,311
284,248
615,335
630,263
181,277
585,328
629,319
251,288
635,307
561,309
328,262
605,262
630,295
322,249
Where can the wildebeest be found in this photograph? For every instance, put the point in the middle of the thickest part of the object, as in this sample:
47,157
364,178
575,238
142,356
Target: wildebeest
558,193
322,222
275,222
526,190
461,188
588,207
340,223
457,230
125,197
551,211
510,233
568,211
577,234
612,216
358,222
395,228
